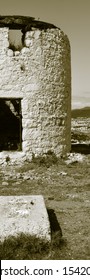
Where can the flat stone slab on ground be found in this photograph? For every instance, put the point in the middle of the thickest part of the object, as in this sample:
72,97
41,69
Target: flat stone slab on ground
24,214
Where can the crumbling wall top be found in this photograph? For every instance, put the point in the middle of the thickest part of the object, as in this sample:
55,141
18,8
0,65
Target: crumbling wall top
23,22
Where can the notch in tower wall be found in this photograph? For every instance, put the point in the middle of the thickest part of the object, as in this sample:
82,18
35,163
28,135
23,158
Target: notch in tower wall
15,39
18,26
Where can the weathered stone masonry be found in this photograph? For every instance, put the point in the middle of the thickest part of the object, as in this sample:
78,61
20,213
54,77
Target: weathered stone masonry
39,74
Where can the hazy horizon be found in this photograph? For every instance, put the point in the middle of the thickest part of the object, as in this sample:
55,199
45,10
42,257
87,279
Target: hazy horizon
73,17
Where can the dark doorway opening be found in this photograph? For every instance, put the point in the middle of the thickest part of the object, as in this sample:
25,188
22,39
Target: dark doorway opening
10,124
80,148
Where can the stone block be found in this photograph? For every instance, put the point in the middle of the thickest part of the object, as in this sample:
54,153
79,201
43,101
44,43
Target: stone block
24,214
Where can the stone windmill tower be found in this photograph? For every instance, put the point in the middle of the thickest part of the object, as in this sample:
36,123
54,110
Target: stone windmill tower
35,89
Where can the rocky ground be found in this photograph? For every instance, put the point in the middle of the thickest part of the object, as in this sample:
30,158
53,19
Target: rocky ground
80,130
65,185
66,189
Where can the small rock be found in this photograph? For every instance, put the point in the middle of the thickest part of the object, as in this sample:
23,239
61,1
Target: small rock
17,183
5,183
26,177
10,52
19,176
17,53
63,173
74,157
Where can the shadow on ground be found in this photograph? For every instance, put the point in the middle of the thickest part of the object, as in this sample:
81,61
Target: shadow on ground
54,224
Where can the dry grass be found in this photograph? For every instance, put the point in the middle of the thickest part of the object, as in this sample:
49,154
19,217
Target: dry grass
66,190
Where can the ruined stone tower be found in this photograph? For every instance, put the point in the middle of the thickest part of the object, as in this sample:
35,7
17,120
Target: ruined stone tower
35,89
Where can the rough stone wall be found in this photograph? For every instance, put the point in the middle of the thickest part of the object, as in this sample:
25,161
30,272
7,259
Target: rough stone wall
39,74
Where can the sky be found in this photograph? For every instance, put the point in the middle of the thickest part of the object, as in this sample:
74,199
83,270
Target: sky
73,17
